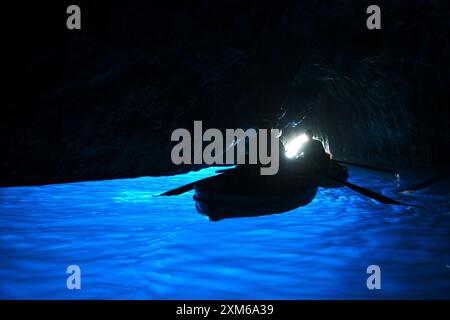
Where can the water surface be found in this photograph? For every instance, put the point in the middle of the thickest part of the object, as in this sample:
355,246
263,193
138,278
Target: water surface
132,245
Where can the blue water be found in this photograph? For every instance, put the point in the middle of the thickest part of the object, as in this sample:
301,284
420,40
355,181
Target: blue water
132,245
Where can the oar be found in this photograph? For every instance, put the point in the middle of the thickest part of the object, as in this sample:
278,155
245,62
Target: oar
225,170
424,183
190,186
367,167
183,189
369,193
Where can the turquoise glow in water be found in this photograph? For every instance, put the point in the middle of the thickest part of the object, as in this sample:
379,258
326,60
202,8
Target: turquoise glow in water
132,245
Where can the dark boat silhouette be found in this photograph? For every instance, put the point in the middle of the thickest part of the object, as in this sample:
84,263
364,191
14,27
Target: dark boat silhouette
245,193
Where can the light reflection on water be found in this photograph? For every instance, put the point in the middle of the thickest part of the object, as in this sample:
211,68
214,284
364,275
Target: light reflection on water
132,245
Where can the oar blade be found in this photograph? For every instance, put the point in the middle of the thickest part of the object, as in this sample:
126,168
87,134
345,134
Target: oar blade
179,190
376,196
369,193
187,187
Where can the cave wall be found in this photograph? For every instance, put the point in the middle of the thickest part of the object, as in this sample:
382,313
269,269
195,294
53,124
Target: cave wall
101,102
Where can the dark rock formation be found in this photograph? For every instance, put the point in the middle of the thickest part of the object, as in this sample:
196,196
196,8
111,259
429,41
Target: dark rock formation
102,102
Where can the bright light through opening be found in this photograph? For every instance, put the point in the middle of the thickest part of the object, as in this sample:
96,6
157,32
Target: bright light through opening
293,147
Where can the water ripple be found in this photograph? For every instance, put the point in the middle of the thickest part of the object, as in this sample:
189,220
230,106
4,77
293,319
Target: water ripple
133,245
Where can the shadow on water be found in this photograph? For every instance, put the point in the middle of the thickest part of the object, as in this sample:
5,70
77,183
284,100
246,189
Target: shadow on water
130,244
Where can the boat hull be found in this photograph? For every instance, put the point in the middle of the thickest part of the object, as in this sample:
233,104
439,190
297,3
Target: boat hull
219,206
245,193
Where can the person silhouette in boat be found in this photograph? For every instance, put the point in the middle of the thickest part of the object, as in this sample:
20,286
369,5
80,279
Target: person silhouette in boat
312,148
313,151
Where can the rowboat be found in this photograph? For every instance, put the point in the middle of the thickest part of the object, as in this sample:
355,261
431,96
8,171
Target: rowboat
246,193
